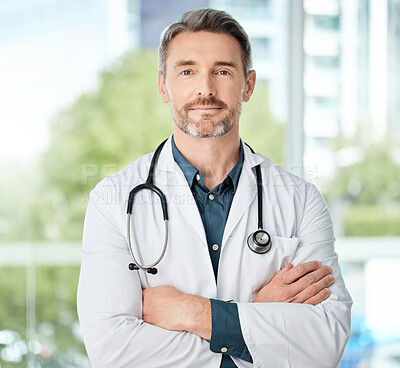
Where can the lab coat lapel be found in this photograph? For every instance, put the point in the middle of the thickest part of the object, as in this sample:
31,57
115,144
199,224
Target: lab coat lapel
245,193
178,191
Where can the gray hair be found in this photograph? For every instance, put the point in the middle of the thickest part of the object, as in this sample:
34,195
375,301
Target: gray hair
211,20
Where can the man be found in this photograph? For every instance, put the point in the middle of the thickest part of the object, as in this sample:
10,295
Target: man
214,302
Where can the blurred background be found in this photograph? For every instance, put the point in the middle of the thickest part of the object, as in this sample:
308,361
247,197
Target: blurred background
79,101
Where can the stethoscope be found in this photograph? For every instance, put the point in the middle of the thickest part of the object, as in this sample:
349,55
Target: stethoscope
259,241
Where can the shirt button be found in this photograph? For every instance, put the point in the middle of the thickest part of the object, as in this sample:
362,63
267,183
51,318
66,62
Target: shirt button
211,197
224,349
215,247
197,177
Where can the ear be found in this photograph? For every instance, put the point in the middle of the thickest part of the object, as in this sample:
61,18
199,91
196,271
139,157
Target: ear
250,84
162,89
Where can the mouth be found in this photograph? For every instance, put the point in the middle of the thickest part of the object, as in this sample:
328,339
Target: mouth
207,108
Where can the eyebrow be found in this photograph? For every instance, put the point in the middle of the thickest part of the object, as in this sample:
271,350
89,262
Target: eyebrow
227,63
181,63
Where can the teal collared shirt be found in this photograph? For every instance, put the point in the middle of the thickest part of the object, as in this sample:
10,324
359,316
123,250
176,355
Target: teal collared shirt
214,206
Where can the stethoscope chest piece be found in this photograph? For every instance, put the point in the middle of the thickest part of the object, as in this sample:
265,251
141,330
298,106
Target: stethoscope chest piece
259,242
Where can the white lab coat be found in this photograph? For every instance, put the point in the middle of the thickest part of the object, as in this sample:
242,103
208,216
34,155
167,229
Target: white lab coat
276,334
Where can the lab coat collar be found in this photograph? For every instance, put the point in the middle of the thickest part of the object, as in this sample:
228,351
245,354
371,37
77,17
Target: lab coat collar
166,160
245,194
178,191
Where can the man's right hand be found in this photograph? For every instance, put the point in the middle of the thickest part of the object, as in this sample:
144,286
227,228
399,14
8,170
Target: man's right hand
305,283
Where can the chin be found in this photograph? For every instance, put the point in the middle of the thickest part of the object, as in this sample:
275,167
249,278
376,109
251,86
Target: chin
216,132
205,128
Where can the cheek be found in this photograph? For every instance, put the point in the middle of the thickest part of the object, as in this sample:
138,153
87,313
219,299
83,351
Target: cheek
236,102
233,93
175,103
178,96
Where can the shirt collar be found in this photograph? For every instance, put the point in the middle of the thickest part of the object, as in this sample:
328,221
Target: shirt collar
235,172
187,168
190,171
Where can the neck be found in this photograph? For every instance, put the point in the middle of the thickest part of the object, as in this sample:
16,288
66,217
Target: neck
213,157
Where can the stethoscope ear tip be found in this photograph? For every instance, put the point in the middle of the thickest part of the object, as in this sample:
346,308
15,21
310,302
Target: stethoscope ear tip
133,267
151,270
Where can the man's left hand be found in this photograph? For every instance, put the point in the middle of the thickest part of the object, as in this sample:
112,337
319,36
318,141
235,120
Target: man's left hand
169,308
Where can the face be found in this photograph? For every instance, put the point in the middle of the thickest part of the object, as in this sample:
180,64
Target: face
205,83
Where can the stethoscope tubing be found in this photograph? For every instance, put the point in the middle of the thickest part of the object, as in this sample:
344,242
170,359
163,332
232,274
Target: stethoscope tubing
259,241
137,264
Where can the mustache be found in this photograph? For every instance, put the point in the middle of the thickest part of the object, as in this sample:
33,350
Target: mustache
201,101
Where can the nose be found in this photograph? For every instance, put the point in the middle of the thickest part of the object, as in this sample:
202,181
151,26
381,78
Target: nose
206,87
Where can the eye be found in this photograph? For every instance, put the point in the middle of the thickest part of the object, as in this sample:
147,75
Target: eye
223,72
186,72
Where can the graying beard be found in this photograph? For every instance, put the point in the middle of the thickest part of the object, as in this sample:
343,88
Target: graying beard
223,127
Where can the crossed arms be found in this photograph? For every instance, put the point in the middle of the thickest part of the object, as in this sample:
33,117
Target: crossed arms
168,308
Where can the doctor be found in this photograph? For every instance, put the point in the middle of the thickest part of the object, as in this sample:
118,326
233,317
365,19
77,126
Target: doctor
214,302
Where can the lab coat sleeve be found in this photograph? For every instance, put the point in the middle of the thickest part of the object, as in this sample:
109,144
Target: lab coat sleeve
300,335
110,303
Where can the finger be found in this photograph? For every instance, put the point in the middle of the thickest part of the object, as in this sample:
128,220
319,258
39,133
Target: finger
309,279
314,289
300,270
280,274
320,297
285,269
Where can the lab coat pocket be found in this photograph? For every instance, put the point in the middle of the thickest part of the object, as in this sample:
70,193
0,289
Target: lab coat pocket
265,266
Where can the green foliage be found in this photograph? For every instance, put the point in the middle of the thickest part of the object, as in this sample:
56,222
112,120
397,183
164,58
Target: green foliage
100,134
371,221
107,129
56,304
367,180
13,299
374,179
56,318
260,129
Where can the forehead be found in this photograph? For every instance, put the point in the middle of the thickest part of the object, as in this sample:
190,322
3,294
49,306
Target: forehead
203,46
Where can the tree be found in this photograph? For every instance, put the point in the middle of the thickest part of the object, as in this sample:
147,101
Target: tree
367,179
